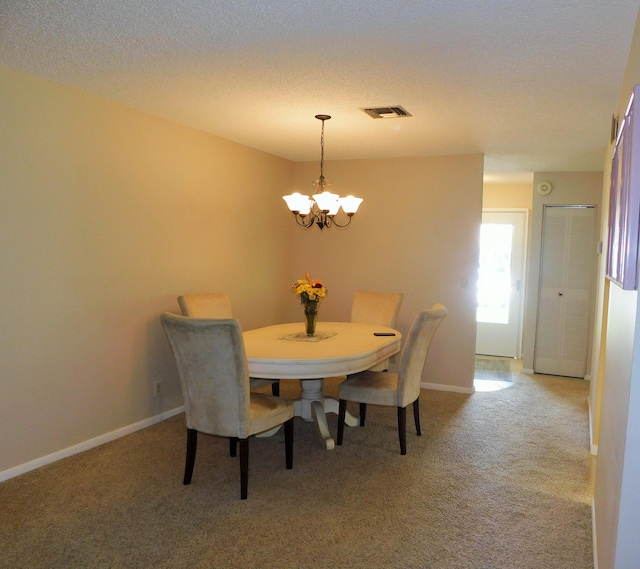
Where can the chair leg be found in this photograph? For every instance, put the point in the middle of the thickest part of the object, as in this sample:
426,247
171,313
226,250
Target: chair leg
416,415
275,389
192,443
233,445
342,413
402,429
288,442
363,413
244,468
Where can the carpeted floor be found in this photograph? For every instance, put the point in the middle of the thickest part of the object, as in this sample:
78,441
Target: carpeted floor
498,480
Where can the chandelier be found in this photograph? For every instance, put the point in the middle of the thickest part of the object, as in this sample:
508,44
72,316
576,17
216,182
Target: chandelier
324,206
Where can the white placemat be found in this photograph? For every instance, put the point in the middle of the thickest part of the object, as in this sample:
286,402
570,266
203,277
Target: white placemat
303,337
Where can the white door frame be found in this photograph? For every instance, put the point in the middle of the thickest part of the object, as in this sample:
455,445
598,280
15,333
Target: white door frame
525,262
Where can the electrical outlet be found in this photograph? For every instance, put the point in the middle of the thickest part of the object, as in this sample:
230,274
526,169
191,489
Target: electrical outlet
157,388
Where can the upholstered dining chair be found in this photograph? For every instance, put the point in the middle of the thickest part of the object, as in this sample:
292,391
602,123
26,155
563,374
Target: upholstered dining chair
218,305
379,308
395,389
214,376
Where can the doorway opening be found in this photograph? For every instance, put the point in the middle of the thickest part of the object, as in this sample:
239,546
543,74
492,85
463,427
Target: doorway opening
500,303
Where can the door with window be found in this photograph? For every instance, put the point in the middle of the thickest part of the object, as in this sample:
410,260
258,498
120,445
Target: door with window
567,266
500,282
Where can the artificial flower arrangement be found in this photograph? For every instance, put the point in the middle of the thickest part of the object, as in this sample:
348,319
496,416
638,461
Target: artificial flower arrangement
310,293
309,290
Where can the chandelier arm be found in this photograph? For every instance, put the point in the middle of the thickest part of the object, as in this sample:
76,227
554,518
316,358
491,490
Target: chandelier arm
342,224
300,220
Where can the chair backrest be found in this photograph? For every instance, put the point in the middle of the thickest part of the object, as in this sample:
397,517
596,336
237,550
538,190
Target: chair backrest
206,305
380,308
212,365
414,352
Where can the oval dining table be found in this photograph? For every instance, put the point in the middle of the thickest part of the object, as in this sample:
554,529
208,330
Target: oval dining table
284,351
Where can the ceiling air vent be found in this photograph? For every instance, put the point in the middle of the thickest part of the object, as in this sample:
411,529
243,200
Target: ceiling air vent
396,112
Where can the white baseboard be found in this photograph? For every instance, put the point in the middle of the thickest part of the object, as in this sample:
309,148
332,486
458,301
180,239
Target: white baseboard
593,534
528,371
454,388
86,445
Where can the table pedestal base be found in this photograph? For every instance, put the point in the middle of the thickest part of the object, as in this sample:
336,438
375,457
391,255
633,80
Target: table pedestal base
311,390
313,408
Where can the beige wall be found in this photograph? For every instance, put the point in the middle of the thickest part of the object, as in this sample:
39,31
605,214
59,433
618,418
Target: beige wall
601,321
616,414
516,196
416,233
569,188
108,214
616,492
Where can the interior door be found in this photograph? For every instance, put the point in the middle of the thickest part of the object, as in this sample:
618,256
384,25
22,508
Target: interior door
500,282
565,291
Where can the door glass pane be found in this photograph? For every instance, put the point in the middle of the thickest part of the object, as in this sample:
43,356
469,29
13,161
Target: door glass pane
494,278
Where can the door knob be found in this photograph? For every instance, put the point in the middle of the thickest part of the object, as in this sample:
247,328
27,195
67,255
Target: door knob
561,293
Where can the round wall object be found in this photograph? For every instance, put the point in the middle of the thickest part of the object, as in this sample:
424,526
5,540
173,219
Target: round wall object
544,188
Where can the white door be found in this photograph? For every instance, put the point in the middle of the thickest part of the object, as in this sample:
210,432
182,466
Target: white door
500,282
567,267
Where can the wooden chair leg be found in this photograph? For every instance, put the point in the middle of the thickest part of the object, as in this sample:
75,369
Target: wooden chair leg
363,413
192,443
244,468
402,429
416,415
275,389
342,413
233,445
288,442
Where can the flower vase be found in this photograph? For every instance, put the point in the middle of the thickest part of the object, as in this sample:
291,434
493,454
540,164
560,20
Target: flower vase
310,315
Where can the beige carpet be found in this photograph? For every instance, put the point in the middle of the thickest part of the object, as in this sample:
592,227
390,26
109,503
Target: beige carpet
498,480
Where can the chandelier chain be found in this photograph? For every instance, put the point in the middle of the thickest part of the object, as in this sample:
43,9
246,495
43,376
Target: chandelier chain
322,153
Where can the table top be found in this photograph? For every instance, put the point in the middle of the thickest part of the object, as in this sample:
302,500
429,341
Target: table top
351,349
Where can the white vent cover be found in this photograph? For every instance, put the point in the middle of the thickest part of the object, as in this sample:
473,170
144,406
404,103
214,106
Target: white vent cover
396,112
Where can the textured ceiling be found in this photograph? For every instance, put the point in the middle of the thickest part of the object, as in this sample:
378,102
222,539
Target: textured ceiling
531,84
